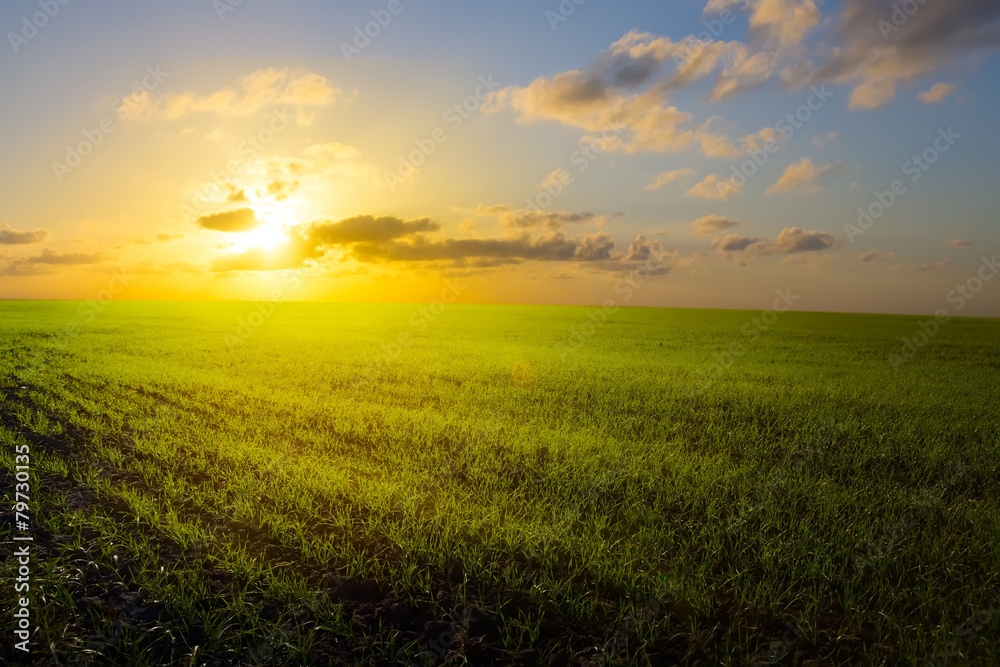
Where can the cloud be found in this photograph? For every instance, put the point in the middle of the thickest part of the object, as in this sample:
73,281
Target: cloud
10,236
319,164
802,175
746,72
930,266
491,210
312,242
290,255
240,220
594,247
665,178
790,241
711,224
161,238
821,140
519,218
873,94
387,239
551,219
785,22
939,92
872,46
558,177
54,257
261,89
642,249
883,46
555,246
367,229
874,255
279,190
960,243
622,95
715,188
737,243
317,169
793,240
23,269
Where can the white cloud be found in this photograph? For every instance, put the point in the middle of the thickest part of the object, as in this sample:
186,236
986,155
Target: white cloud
710,224
665,178
937,93
261,89
802,175
713,187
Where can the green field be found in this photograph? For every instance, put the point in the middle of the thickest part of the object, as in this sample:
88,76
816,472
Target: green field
369,484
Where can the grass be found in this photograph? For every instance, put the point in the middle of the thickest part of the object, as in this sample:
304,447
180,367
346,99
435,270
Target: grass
314,488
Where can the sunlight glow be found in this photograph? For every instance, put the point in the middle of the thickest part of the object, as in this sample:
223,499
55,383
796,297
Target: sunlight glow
271,233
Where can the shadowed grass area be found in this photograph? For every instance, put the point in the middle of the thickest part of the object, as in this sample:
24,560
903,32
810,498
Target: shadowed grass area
312,487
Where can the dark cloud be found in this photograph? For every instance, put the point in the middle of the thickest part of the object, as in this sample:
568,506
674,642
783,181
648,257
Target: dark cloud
50,256
930,266
737,243
377,240
790,241
711,224
873,255
643,255
368,229
939,26
25,269
523,219
520,218
553,247
240,220
595,248
793,239
883,45
10,236
312,244
642,249
623,95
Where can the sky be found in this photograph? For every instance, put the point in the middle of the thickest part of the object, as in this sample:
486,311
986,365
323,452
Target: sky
694,153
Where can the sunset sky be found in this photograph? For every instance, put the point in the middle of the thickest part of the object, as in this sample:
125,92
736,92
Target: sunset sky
535,152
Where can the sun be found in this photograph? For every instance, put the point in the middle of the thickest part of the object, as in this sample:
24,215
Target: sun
266,236
270,234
